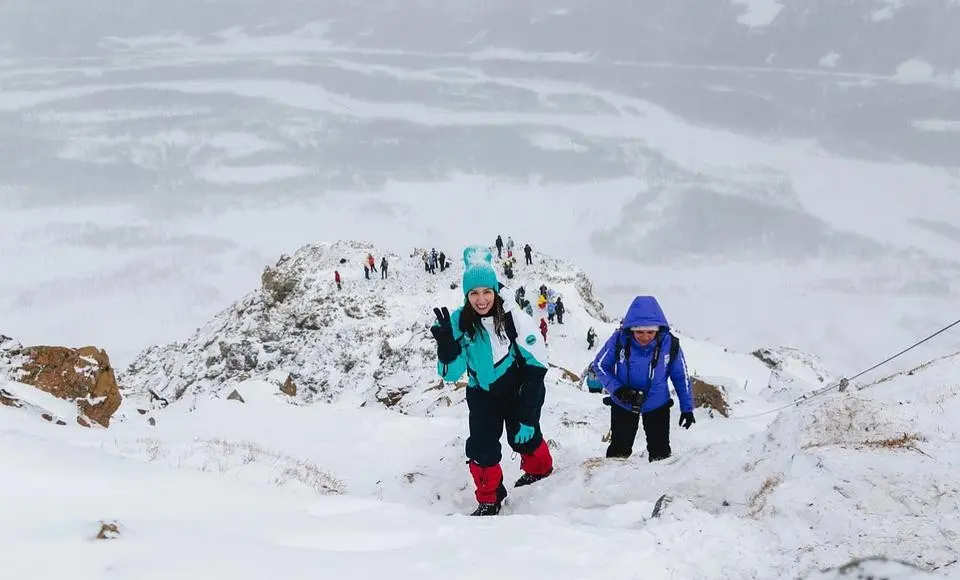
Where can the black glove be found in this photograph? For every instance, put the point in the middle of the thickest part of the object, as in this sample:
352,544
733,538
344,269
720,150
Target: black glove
686,419
448,349
631,397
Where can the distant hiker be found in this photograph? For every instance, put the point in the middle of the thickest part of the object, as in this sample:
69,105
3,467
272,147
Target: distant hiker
510,245
371,262
634,366
433,260
496,345
551,310
541,306
543,329
336,278
519,296
508,268
590,379
426,261
499,245
443,261
366,271
383,268
591,338
528,254
560,309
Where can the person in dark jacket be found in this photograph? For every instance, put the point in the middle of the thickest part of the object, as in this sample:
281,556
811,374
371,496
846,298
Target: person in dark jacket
497,346
633,367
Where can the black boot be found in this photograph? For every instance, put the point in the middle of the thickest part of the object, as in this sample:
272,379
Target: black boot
492,509
527,478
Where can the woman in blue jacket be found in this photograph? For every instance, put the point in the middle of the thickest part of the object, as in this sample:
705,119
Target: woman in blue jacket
633,367
500,350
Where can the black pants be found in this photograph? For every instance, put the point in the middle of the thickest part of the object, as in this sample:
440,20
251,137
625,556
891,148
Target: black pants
656,427
503,405
528,259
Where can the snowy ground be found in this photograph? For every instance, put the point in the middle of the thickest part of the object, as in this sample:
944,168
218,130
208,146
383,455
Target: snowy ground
365,491
246,489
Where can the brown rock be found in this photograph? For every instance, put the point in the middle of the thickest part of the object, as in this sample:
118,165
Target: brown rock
289,387
9,399
108,531
567,373
710,396
83,375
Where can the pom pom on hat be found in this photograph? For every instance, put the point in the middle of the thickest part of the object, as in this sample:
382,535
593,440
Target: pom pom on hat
478,269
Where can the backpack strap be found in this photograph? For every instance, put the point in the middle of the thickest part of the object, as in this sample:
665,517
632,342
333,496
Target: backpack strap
674,347
511,328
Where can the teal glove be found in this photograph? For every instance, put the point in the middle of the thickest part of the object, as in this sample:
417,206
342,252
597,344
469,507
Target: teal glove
524,434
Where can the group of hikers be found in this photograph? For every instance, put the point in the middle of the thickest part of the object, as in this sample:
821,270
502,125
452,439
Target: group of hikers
369,265
431,261
492,338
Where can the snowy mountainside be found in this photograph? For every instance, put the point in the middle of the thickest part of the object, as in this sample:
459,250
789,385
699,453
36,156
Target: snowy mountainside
868,472
845,483
370,343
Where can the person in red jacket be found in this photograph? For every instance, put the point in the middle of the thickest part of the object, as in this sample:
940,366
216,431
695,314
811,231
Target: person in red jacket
543,329
336,278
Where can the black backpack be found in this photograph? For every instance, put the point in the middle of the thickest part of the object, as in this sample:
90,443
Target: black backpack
623,347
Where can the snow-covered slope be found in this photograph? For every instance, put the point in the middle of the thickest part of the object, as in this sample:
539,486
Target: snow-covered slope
370,341
870,472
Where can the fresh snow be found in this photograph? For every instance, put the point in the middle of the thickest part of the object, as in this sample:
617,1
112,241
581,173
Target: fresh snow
361,486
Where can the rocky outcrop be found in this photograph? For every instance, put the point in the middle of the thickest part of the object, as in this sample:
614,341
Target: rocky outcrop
369,341
81,375
313,341
709,396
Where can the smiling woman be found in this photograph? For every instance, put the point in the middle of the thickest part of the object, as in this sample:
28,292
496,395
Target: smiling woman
505,380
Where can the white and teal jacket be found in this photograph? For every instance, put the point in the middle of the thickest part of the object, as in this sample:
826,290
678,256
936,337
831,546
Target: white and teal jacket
487,358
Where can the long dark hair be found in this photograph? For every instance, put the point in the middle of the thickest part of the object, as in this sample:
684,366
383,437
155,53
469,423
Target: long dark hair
470,321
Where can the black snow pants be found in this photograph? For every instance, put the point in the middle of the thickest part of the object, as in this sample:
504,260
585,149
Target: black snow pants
624,426
514,398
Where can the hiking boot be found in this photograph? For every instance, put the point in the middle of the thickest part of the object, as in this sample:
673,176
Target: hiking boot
492,509
528,478
486,509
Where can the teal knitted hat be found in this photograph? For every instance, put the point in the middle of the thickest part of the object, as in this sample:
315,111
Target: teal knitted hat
478,269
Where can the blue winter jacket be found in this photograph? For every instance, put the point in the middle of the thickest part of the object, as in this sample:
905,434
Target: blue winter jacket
615,372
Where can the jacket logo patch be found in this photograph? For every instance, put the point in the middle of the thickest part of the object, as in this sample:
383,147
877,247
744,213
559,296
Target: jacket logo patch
531,339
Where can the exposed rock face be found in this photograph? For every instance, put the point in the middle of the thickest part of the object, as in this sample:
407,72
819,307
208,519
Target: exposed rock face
312,340
709,396
83,375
